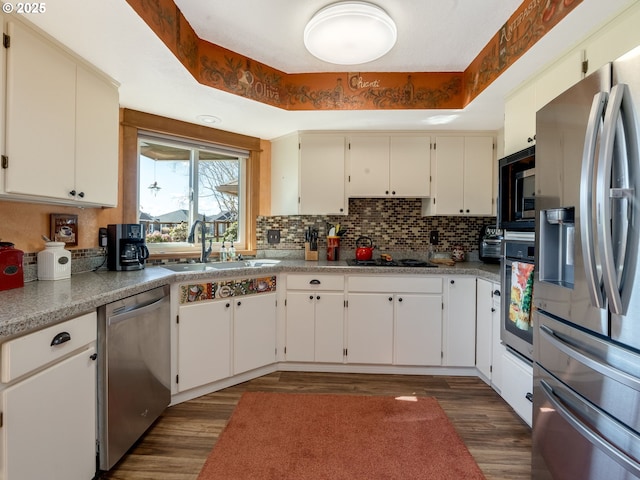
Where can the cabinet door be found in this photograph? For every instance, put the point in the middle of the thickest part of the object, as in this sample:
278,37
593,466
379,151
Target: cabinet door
460,345
204,343
370,328
478,175
300,327
418,329
49,422
96,140
369,166
254,330
322,173
329,328
40,116
285,154
520,119
484,324
410,166
448,194
498,348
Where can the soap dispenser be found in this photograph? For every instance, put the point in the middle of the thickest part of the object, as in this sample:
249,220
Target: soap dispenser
232,252
223,253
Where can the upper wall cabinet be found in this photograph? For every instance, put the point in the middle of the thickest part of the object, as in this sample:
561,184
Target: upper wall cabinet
462,177
308,175
61,125
389,166
521,107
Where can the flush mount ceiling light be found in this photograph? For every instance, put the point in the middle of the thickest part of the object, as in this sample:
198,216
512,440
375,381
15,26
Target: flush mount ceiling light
208,119
350,33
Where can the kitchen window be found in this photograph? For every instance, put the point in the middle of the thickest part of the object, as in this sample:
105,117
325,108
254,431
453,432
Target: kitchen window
180,182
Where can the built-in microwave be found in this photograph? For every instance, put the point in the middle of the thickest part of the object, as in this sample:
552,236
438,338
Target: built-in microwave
516,191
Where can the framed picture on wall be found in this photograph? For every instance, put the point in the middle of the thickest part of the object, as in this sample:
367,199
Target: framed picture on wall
64,228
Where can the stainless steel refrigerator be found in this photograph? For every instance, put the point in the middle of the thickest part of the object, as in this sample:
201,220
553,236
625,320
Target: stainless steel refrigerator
586,420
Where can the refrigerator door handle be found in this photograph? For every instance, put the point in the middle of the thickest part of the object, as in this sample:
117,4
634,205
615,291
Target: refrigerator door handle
588,360
616,125
587,227
591,435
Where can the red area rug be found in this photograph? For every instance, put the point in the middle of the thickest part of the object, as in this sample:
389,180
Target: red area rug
287,436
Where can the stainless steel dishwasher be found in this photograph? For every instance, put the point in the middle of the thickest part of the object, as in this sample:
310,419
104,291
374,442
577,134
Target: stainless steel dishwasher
134,370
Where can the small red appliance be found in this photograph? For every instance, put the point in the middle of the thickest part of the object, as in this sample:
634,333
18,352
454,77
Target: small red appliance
11,272
364,248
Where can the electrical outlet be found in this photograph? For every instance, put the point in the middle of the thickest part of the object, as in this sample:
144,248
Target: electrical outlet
273,236
102,237
433,237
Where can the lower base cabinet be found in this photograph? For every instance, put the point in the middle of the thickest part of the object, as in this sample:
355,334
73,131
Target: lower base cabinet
394,320
204,343
49,418
254,332
517,385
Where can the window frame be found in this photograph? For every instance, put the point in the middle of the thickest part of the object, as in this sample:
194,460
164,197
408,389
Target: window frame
195,149
134,123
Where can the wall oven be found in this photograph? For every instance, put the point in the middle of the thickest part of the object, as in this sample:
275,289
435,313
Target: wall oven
517,265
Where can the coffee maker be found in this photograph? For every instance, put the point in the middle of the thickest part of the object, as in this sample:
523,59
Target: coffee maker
126,246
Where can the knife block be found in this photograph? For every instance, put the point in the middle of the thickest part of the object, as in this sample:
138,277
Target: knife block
308,253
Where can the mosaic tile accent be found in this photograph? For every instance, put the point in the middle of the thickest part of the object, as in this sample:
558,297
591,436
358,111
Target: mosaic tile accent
196,292
394,224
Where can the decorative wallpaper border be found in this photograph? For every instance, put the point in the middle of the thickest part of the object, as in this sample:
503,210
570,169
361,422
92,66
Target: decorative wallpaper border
231,72
197,292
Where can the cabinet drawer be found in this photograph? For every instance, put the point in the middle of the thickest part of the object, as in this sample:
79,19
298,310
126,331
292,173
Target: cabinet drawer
310,282
413,284
24,354
517,385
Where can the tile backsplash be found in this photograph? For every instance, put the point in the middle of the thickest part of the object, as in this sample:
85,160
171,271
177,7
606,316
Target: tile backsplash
394,225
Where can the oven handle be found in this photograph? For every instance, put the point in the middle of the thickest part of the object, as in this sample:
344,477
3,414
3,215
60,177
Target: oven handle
587,229
589,434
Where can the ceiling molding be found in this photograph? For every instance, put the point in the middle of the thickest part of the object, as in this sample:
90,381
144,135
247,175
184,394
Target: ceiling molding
228,71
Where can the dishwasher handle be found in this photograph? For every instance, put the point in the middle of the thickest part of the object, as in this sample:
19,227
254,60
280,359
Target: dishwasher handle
127,312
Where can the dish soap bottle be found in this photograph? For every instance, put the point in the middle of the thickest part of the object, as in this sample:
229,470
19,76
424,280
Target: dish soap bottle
223,253
232,253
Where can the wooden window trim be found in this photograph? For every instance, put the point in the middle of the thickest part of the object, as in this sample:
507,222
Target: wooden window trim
133,121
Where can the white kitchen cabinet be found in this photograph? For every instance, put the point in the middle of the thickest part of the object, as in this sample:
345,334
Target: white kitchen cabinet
49,403
61,125
517,385
389,166
204,343
521,105
489,348
370,328
418,329
520,119
315,318
254,331
484,329
308,175
460,322
462,177
394,320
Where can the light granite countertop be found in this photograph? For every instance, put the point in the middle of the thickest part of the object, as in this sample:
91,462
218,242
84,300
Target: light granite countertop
43,303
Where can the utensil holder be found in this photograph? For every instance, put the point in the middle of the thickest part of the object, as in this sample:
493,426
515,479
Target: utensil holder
308,253
333,248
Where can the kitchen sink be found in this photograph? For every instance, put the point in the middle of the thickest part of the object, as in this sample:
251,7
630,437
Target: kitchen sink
189,267
206,267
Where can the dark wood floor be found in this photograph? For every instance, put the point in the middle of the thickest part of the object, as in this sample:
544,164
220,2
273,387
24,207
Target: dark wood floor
179,442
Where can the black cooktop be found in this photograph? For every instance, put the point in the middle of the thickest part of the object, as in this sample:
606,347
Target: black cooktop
378,262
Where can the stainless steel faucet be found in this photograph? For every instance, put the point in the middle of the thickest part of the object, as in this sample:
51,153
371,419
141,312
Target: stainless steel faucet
204,257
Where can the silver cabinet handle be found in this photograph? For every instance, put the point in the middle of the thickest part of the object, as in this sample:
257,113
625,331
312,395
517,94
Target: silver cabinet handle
587,230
